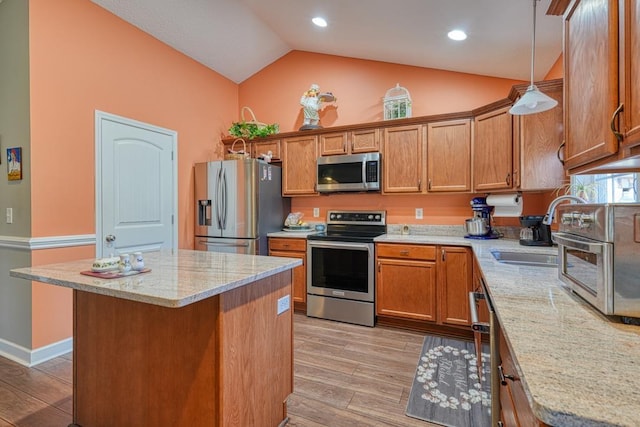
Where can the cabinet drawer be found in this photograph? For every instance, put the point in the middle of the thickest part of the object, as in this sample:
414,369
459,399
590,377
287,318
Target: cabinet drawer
286,244
425,252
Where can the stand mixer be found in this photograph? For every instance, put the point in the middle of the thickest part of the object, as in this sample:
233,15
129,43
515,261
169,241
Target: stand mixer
479,227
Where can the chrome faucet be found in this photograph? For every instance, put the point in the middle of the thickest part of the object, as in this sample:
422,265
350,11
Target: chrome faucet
548,218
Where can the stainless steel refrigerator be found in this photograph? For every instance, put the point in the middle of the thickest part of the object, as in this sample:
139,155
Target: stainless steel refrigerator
237,203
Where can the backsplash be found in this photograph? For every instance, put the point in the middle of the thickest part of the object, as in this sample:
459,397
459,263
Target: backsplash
447,230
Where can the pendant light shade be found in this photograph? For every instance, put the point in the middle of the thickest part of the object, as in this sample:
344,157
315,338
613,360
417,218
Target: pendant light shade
533,101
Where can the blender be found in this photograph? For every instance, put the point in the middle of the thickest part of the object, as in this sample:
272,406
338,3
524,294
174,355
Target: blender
479,227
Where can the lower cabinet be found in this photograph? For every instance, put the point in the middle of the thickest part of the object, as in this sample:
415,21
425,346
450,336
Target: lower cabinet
294,248
455,270
406,281
515,410
424,283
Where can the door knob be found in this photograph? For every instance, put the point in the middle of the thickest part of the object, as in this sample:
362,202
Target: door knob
110,238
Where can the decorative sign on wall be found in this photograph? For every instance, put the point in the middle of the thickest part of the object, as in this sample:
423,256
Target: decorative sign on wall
14,164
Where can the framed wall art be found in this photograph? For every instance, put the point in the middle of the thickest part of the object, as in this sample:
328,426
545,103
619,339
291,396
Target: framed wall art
14,164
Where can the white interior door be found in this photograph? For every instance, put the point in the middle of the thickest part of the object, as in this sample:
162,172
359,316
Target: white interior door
136,186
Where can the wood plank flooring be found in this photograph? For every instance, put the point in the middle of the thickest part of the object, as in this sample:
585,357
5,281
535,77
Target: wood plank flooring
345,376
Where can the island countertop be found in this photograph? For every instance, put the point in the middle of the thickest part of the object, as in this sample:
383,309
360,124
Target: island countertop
177,278
578,367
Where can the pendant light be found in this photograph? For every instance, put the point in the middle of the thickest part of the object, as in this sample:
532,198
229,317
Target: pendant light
533,101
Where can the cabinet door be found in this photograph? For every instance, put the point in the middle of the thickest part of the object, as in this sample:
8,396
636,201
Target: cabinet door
260,148
454,284
591,80
538,139
406,289
631,72
365,141
402,159
493,151
449,156
299,156
333,143
293,248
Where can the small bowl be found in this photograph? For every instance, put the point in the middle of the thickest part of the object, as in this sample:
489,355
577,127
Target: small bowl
320,227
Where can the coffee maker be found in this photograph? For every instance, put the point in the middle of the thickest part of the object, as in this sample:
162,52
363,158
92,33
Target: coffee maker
534,232
479,227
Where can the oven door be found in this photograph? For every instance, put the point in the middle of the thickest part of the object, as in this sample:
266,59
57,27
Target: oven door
340,269
586,267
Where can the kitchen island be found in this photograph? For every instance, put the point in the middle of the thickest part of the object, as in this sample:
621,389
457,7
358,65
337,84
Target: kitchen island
204,338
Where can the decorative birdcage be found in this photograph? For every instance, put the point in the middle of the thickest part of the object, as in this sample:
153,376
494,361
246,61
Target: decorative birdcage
397,103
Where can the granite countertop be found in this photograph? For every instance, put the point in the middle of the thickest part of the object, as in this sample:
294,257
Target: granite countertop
578,367
177,278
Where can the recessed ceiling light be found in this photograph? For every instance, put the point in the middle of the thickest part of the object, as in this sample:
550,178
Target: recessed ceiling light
320,22
457,35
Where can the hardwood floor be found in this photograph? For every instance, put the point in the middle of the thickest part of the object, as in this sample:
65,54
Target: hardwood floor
345,376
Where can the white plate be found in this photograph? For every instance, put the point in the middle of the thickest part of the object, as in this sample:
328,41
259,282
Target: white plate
298,230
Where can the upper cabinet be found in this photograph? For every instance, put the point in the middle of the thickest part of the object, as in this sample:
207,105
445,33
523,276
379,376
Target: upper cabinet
537,144
449,156
402,163
493,150
299,156
357,141
602,110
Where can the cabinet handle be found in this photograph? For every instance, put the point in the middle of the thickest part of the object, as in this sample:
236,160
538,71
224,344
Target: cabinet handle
344,146
508,179
404,252
379,267
286,245
429,184
444,258
560,159
504,377
419,185
615,131
352,146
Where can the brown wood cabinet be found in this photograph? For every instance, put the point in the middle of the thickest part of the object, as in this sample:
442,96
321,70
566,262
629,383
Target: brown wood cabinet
353,142
493,150
424,283
537,144
259,148
515,410
402,164
406,281
449,156
299,156
454,268
293,248
602,85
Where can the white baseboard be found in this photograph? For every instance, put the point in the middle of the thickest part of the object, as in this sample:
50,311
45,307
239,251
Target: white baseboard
30,358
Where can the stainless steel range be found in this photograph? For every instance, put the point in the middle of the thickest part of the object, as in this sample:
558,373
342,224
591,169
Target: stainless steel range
340,267
599,248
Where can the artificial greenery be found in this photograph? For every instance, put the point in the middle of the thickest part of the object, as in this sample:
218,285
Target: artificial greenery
252,130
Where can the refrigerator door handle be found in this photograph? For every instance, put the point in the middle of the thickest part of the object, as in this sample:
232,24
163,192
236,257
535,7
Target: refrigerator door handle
219,199
224,199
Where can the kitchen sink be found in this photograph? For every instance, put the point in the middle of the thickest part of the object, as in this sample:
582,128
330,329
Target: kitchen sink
526,258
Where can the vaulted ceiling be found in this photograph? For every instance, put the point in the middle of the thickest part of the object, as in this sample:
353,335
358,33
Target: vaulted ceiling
237,38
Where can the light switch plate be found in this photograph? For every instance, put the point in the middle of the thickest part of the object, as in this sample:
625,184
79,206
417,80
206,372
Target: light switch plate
419,213
284,303
316,212
9,215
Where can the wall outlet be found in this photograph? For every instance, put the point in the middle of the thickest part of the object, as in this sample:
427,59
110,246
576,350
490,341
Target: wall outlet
284,303
418,213
316,212
9,215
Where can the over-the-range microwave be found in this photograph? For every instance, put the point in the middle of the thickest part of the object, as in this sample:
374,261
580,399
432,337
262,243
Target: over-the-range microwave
352,172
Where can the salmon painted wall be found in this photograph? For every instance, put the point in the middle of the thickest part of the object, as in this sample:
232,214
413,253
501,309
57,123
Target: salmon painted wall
360,86
82,59
557,70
